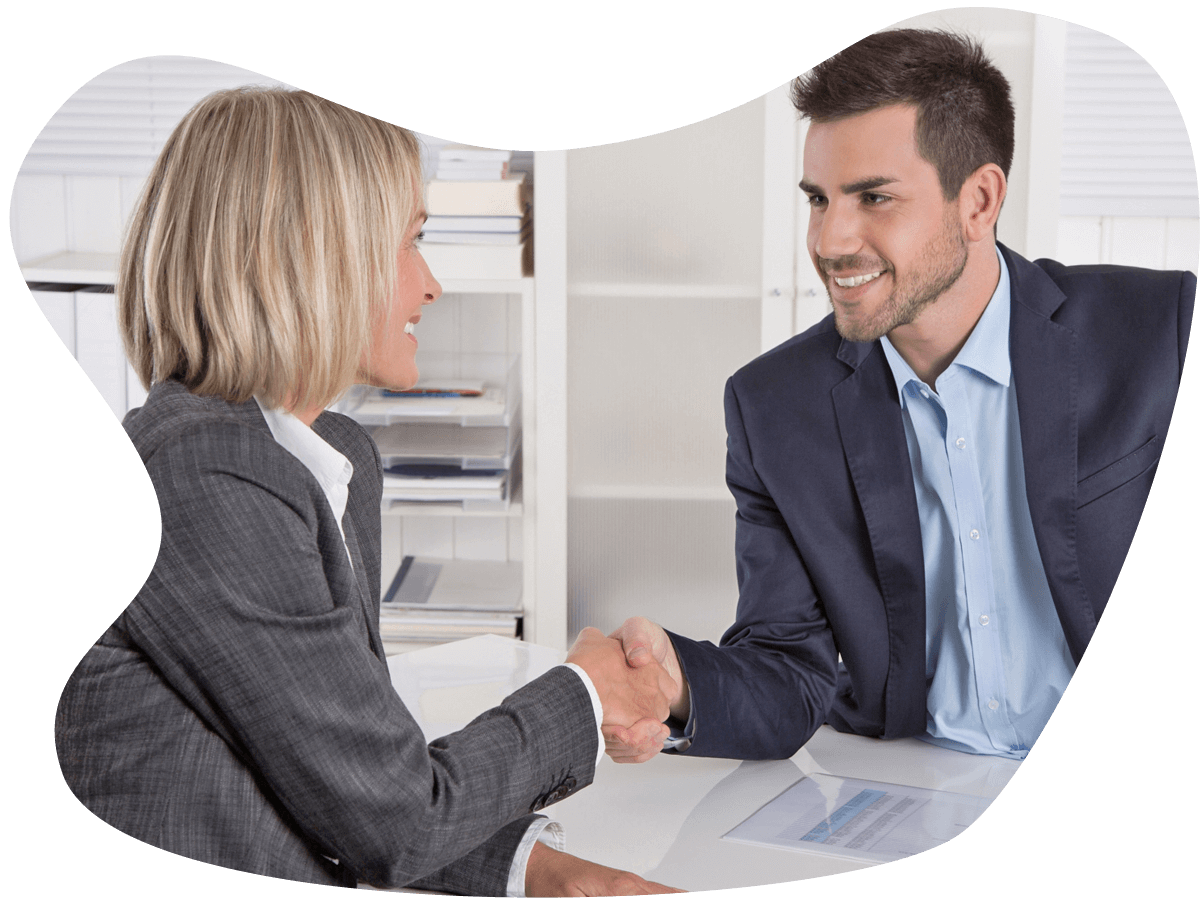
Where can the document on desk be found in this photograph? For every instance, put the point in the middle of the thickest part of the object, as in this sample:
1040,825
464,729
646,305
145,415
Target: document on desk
867,820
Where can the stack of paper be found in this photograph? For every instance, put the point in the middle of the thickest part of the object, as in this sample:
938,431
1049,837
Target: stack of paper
432,600
412,483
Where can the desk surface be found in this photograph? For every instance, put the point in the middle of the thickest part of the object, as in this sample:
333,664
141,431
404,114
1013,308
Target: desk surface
664,819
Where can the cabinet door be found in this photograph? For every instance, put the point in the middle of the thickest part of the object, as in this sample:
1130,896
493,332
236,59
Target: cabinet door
680,269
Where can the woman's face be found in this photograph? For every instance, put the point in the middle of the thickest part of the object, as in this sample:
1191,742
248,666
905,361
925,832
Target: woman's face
391,362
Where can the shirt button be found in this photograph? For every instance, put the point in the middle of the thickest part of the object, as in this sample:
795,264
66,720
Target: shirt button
974,534
983,620
925,393
993,704
961,443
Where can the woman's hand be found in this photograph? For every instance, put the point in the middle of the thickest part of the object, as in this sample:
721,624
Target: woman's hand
551,873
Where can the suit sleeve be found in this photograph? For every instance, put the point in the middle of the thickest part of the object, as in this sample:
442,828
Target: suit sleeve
769,685
242,618
483,871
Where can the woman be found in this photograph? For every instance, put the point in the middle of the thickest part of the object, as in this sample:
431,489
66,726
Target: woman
240,711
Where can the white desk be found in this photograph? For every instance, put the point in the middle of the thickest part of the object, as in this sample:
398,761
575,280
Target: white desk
664,819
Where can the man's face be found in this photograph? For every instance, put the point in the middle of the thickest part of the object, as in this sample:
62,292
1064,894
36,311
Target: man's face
883,238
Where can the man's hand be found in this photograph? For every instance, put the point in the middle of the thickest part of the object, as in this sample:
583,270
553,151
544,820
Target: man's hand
550,873
645,643
628,694
637,743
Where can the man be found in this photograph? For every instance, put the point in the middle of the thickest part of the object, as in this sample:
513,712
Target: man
936,485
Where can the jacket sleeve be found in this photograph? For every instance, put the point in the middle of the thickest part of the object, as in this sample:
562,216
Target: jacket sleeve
252,615
484,871
769,685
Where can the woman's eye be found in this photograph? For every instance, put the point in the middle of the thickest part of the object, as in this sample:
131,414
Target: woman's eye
420,237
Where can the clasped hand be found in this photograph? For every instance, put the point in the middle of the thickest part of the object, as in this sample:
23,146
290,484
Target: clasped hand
642,685
628,694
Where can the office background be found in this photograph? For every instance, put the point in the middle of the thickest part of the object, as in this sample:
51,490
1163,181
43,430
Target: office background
684,258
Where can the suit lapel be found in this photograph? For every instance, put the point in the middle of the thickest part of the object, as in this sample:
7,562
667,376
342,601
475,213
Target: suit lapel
370,608
872,432
1045,366
251,413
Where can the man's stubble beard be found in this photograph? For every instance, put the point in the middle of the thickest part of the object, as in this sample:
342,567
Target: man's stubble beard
941,264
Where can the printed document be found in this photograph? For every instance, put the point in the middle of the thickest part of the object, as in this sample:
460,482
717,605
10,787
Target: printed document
867,820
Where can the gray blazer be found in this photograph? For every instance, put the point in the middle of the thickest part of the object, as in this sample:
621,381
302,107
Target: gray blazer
240,712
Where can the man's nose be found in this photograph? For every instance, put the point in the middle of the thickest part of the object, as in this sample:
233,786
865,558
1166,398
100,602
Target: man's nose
838,232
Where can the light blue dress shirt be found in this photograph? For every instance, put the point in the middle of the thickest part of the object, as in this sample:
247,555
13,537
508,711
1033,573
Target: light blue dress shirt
996,660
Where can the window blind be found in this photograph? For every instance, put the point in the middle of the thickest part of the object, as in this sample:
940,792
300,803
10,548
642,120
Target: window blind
1125,147
117,122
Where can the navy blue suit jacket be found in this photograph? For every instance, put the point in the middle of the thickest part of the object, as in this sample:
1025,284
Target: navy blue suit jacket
828,540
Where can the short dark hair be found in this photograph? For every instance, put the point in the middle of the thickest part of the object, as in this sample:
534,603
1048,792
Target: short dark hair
964,105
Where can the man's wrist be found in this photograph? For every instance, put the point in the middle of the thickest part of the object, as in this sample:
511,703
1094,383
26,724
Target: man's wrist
681,705
681,708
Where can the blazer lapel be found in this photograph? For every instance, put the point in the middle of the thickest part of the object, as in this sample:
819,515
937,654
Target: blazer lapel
872,432
370,609
1045,365
251,413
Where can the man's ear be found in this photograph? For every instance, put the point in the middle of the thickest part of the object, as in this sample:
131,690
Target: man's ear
980,200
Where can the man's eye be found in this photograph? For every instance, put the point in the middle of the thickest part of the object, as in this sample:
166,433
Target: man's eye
871,199
816,200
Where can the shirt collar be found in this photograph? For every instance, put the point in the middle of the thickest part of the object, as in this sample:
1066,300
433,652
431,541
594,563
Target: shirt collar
986,349
331,469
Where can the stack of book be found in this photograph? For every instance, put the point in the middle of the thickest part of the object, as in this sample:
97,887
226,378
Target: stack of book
436,600
479,223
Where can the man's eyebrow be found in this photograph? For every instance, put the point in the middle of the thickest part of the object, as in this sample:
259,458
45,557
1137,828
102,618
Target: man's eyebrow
854,187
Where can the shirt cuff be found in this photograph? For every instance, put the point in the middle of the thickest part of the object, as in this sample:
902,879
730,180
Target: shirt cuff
597,709
681,740
545,830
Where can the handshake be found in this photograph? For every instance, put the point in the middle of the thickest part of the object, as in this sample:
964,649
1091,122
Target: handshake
636,673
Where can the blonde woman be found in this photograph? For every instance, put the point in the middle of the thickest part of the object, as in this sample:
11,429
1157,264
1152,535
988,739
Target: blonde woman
239,711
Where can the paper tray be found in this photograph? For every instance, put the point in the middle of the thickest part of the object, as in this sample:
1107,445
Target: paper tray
488,447
499,376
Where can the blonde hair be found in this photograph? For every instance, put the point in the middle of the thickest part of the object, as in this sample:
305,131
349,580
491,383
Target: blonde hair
262,252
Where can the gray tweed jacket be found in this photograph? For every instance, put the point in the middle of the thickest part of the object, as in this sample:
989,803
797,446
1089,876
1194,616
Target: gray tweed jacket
240,712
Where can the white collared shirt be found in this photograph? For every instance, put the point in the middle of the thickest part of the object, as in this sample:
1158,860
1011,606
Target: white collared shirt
331,469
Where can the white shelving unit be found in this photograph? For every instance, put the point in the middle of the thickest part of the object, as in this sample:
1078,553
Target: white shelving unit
668,295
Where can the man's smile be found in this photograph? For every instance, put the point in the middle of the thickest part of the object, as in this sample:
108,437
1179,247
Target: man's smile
850,281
